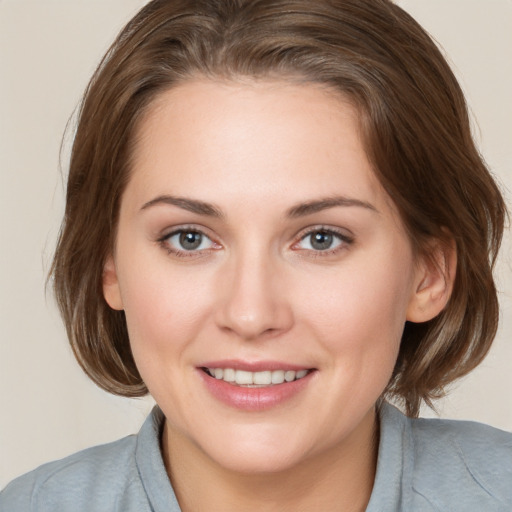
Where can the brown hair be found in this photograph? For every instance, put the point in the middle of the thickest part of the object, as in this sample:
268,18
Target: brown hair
416,132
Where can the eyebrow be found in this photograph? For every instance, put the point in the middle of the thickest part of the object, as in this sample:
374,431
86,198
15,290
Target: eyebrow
311,207
300,210
191,205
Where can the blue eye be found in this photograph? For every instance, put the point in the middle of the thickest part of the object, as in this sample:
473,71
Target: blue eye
188,240
322,240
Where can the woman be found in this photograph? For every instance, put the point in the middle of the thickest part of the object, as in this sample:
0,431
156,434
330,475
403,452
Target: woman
276,218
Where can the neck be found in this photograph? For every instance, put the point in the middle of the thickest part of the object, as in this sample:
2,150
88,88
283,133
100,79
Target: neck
340,478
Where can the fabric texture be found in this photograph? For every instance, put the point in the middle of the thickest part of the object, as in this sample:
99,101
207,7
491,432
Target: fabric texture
424,465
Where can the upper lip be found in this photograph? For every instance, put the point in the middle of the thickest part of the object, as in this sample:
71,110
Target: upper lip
253,366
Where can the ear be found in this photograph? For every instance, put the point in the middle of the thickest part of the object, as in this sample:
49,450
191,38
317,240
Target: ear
434,280
111,290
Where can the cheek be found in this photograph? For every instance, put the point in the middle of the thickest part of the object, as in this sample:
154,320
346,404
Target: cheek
360,311
164,308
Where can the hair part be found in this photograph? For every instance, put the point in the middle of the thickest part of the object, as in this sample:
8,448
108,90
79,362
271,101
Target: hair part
415,128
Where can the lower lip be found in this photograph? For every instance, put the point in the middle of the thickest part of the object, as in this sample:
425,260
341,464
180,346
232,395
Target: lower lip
254,399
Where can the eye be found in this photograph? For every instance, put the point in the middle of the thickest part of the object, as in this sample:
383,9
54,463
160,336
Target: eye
323,240
187,240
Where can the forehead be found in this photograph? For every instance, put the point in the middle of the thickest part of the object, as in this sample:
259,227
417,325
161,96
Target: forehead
251,140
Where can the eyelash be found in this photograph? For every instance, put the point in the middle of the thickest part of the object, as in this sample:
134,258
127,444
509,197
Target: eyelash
164,243
344,239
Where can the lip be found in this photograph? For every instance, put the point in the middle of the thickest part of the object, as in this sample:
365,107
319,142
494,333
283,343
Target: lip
254,399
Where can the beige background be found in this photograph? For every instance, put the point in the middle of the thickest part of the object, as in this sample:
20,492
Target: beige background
48,50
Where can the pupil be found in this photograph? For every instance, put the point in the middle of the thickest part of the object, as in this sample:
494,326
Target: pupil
321,240
190,240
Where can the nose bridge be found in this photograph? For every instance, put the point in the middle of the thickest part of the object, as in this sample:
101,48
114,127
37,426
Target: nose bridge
255,302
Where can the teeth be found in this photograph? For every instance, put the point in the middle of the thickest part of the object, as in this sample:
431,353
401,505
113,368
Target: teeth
256,379
229,375
263,378
289,376
242,377
278,377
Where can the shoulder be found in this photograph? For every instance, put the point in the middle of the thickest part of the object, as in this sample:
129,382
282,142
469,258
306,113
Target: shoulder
458,462
74,482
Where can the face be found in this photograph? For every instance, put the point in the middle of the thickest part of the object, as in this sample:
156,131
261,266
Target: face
264,272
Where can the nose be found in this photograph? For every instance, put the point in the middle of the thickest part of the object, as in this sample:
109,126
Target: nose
254,300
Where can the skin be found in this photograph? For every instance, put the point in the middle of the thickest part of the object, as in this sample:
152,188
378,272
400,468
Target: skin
257,289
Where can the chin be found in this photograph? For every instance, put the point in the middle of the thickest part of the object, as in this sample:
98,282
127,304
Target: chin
256,462
258,450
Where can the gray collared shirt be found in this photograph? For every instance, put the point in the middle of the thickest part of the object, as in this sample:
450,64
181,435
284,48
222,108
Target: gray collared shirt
424,465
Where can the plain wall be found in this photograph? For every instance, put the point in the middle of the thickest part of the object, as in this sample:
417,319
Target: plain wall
48,50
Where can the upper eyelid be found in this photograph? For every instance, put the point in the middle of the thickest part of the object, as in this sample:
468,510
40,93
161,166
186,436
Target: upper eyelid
167,233
341,232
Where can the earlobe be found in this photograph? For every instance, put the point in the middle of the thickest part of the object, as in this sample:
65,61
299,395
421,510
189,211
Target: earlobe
110,282
434,282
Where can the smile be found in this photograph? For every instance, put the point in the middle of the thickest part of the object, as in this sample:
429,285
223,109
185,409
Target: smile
258,379
255,386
